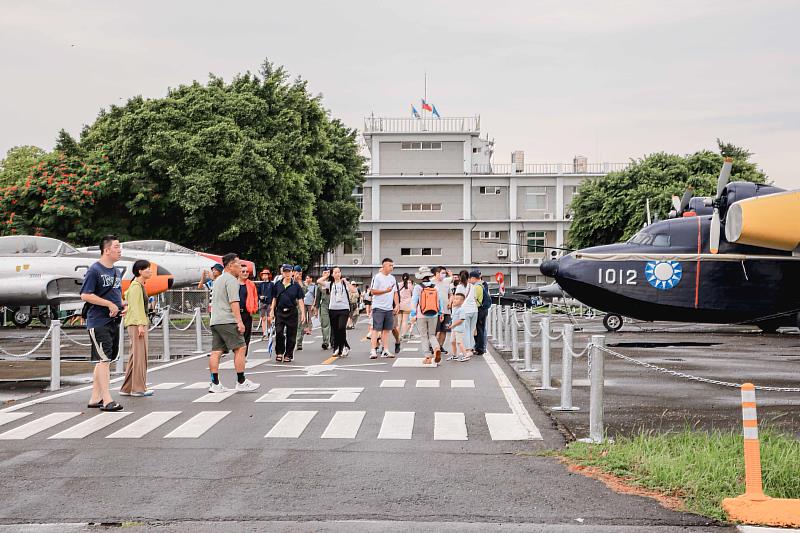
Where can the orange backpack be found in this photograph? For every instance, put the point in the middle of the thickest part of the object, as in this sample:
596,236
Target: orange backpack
429,300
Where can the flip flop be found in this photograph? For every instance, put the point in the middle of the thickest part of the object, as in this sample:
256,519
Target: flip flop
279,358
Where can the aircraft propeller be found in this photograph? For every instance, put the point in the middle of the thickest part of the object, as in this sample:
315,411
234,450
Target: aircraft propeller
679,204
722,182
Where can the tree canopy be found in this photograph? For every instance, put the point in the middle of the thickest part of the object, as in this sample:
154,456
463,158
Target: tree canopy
612,208
16,166
255,166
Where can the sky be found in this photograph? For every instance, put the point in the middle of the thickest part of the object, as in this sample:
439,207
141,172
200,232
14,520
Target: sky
610,80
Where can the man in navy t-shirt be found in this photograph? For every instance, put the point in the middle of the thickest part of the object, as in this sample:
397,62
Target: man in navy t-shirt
101,289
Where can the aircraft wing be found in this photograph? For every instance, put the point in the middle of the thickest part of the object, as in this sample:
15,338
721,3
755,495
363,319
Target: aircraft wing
40,290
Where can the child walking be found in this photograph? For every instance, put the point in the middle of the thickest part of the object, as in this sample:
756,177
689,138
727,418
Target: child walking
458,330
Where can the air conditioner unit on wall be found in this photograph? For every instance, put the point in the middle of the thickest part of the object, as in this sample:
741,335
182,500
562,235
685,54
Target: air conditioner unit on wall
548,216
502,252
555,254
532,261
357,261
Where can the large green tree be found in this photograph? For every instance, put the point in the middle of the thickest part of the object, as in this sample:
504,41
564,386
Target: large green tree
17,164
256,166
612,208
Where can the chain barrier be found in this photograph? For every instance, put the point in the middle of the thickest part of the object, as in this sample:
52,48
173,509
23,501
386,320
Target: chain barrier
171,323
694,378
26,354
73,340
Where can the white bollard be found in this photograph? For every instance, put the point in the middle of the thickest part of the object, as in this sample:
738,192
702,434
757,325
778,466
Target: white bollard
55,355
508,328
546,382
165,330
526,321
490,323
120,366
198,330
596,431
514,337
501,328
566,371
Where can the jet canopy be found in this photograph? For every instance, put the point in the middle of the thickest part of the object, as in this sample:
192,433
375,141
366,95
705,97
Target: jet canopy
156,245
29,245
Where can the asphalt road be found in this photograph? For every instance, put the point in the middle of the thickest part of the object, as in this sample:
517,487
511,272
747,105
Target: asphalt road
369,445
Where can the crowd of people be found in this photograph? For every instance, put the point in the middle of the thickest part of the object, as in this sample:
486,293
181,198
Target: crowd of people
435,303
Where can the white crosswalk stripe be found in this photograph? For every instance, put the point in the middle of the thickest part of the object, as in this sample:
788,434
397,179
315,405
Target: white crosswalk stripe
412,362
505,426
36,426
292,425
344,425
5,418
397,425
165,386
197,425
198,385
449,426
144,425
87,427
250,363
215,397
428,383
410,349
462,384
393,383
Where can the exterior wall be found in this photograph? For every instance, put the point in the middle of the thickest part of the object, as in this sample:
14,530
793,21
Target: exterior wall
450,159
549,240
344,260
490,206
486,251
394,196
366,211
547,214
450,241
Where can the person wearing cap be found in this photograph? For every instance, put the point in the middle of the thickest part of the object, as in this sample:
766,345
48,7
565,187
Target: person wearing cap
207,280
309,289
284,313
265,295
426,313
322,303
482,299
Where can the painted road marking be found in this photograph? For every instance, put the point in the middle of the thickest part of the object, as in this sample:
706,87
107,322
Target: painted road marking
250,363
87,427
36,426
412,362
449,426
335,394
5,418
165,386
462,384
344,425
410,349
214,397
144,425
513,399
199,385
428,383
506,426
292,425
197,425
413,342
397,425
393,383
308,341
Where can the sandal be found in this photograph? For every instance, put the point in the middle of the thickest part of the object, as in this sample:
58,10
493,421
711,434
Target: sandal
279,358
427,360
95,405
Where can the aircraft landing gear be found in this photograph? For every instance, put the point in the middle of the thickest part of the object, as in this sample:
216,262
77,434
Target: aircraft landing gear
612,322
769,326
22,317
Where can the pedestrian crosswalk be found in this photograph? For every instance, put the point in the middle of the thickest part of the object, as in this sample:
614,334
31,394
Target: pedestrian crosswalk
293,424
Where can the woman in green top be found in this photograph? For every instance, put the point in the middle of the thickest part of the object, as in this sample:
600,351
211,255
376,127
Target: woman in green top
136,322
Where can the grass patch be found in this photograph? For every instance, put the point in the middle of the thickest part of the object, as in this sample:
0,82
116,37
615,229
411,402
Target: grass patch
698,467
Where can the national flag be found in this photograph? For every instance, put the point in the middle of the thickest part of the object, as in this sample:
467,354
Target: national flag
426,106
435,112
414,111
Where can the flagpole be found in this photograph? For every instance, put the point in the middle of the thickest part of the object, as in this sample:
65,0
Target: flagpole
426,92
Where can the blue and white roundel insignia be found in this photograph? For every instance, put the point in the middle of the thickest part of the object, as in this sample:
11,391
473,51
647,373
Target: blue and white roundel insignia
663,275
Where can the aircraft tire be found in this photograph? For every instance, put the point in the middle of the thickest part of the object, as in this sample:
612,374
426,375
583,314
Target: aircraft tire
21,319
612,322
768,327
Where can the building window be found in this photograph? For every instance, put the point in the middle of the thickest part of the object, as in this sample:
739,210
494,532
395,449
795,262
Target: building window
490,190
476,150
354,248
422,207
420,252
421,145
570,192
358,194
536,198
535,240
535,280
490,235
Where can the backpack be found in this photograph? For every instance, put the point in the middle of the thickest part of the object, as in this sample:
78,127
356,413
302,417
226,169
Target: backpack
487,300
429,300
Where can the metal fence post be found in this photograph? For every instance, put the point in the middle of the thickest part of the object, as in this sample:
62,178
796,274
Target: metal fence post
198,330
596,432
566,371
490,323
120,366
508,328
514,337
546,382
526,321
165,331
499,343
55,355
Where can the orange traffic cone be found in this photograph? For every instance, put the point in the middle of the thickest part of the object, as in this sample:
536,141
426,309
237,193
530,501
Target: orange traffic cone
754,507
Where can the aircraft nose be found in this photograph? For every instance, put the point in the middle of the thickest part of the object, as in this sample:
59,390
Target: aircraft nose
549,268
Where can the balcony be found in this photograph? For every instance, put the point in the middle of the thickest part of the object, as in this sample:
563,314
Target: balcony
471,125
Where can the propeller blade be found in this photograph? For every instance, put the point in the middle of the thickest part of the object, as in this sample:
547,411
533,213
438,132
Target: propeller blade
687,195
713,241
676,203
724,176
647,206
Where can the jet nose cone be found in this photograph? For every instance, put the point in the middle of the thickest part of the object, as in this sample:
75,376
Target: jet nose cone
549,268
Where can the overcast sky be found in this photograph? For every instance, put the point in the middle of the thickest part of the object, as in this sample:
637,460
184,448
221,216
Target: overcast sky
611,80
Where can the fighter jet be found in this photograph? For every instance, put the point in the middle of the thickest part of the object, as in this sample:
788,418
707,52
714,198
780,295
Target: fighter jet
40,271
686,270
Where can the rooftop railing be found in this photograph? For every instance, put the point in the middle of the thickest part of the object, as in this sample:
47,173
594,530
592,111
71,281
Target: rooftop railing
549,168
422,125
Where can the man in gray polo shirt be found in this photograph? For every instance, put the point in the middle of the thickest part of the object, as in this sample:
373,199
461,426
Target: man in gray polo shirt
227,328
385,304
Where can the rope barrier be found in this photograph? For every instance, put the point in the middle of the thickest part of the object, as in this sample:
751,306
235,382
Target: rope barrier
26,354
691,377
171,323
73,340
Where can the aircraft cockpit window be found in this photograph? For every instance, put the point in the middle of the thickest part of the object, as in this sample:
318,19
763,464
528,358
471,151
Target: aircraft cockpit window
26,245
145,246
177,249
661,240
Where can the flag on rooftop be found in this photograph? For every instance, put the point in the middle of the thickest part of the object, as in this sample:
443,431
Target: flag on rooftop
426,106
435,112
414,111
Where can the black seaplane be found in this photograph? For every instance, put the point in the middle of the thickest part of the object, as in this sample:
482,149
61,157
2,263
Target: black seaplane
687,269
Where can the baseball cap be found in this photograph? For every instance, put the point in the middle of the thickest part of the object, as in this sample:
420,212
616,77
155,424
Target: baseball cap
475,274
285,267
218,266
298,268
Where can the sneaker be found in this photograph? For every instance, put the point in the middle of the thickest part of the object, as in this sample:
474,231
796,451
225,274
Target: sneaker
148,392
247,386
444,352
462,358
386,355
111,406
396,348
324,345
300,348
124,393
345,352
219,387
373,355
437,355
451,357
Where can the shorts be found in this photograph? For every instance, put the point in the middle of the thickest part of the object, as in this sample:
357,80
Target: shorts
458,337
382,320
105,342
226,338
441,326
263,310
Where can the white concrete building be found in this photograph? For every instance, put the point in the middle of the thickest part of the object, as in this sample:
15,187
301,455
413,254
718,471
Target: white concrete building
432,197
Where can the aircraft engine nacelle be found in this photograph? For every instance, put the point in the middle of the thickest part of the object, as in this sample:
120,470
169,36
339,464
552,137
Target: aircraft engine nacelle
771,221
40,290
